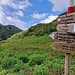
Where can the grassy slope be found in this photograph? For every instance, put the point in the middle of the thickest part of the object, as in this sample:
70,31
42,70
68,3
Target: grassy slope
32,46
34,43
28,45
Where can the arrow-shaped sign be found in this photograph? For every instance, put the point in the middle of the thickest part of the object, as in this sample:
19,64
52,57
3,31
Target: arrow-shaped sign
52,35
63,47
68,18
66,27
62,36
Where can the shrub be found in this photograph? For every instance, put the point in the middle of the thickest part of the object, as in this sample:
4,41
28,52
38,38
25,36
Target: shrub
37,59
41,70
25,66
8,63
39,34
24,58
3,72
10,55
21,72
17,67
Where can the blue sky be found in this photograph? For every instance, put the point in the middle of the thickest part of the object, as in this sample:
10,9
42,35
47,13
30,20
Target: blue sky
26,13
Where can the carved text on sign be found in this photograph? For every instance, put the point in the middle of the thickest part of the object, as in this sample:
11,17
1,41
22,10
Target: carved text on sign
63,36
66,27
64,47
69,18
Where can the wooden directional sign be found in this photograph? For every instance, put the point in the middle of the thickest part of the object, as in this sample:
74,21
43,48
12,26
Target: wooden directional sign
64,47
69,18
66,27
63,36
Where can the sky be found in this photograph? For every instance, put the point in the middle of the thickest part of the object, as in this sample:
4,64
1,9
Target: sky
26,13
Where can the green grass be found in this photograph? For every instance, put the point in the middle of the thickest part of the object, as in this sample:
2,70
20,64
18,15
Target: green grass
29,53
42,59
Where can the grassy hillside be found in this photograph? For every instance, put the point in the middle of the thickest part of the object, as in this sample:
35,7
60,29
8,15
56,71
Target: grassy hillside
7,31
29,53
41,29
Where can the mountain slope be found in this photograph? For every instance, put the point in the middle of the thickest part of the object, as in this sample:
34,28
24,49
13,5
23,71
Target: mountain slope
29,53
40,29
7,31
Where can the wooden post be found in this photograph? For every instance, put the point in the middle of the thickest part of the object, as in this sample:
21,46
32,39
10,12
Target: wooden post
68,55
67,63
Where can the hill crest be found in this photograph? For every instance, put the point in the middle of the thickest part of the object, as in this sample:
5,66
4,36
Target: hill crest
7,31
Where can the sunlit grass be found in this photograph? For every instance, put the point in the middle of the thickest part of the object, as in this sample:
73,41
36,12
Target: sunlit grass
33,46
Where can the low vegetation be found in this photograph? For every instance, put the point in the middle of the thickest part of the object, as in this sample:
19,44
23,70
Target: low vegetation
29,53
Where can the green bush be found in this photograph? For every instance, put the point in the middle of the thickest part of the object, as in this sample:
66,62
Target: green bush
3,72
8,63
41,70
10,54
17,68
40,33
21,72
26,65
24,58
37,59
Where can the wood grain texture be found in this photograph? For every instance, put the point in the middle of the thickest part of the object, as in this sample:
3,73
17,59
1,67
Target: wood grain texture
63,47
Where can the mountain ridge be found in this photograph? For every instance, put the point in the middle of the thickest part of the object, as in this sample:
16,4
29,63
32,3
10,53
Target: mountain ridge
29,53
7,31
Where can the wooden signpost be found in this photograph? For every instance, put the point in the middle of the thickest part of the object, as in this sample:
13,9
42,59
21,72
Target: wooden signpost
68,18
64,47
63,36
66,27
66,34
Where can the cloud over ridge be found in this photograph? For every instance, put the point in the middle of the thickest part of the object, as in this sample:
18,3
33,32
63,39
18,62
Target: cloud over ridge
17,7
59,5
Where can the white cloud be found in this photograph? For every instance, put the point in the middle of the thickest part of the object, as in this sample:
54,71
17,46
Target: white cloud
1,9
39,16
10,20
11,17
17,22
16,4
49,19
59,5
19,13
34,24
